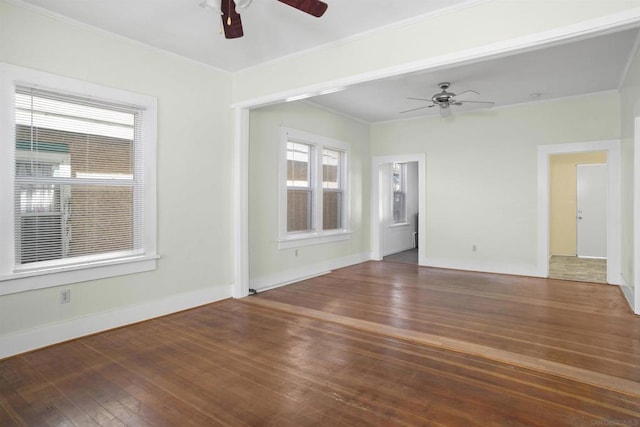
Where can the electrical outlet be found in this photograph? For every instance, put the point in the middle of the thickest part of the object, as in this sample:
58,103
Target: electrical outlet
65,296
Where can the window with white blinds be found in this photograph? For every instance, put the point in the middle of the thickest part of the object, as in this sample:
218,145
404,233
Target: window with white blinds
78,178
82,192
314,201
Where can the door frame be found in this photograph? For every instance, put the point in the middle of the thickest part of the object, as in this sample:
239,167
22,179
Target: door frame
377,201
614,209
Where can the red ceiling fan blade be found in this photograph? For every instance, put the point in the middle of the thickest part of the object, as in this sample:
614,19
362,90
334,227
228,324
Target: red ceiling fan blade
231,22
315,8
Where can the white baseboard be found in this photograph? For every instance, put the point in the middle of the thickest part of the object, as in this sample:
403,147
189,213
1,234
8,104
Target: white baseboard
285,277
32,339
628,293
484,267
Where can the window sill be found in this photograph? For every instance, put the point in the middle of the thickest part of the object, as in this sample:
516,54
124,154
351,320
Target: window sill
307,239
22,281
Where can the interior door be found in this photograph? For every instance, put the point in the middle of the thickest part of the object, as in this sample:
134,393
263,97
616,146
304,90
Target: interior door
591,214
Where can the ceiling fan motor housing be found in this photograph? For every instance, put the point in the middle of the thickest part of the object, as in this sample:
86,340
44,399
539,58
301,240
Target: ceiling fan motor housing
444,98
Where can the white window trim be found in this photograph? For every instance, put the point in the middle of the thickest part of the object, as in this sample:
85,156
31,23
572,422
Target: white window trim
288,240
13,279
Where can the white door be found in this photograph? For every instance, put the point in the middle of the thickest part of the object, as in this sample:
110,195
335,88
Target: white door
591,214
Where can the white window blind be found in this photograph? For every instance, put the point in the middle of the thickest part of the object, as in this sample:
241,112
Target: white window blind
79,182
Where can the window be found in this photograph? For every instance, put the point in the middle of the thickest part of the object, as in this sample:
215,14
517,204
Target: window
399,189
82,181
313,206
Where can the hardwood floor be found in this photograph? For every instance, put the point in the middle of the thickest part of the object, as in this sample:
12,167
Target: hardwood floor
374,344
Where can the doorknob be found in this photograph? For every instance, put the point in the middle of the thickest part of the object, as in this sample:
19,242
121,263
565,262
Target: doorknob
579,217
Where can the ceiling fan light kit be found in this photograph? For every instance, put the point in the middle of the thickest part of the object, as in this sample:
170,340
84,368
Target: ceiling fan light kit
445,100
232,23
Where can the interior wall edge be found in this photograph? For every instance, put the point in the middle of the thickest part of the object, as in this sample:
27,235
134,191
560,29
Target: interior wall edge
285,277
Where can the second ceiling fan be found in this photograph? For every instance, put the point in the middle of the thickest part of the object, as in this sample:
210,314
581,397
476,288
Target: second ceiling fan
232,23
445,100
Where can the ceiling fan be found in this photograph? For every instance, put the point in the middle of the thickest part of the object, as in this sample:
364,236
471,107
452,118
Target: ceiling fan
445,100
232,24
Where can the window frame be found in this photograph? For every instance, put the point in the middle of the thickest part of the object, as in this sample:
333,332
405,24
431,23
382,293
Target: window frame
14,278
316,235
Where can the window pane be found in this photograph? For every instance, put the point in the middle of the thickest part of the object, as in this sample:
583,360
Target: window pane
62,221
398,186
331,210
299,208
331,165
396,177
298,165
399,208
68,153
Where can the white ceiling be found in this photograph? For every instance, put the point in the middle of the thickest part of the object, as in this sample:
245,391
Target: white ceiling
273,30
587,66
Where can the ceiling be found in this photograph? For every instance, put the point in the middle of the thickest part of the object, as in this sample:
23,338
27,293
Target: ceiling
271,29
587,66
184,28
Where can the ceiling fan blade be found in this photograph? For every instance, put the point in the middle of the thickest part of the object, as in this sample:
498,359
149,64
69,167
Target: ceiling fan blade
416,109
420,99
478,102
231,22
315,8
467,91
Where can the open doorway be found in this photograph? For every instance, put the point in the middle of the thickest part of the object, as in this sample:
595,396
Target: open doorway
612,209
578,216
397,206
399,196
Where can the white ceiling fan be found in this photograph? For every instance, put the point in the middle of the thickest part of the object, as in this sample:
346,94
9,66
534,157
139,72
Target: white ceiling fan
445,100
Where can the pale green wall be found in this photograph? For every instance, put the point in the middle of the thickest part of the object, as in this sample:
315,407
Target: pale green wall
194,164
195,148
630,108
265,258
482,173
489,22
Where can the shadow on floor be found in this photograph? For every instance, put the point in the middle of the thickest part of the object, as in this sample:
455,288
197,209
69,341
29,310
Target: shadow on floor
409,256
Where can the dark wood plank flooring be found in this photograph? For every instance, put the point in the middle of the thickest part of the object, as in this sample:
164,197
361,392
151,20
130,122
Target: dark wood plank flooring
373,344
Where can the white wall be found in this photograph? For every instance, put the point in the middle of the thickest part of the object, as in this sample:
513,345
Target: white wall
269,265
630,114
194,188
481,184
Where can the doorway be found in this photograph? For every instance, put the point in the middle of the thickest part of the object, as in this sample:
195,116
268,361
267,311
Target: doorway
399,193
578,198
558,212
397,208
